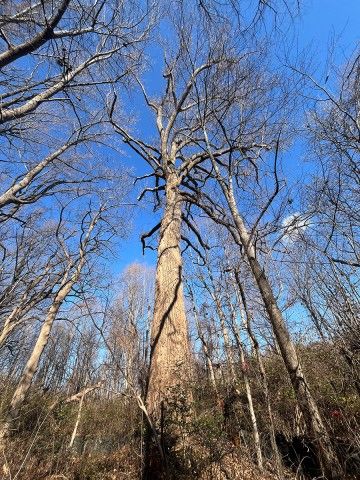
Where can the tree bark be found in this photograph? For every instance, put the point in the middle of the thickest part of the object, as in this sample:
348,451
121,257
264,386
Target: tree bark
307,404
244,368
246,316
169,368
169,356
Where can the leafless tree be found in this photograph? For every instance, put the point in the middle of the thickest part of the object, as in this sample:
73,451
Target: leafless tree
190,69
77,248
247,141
326,266
57,62
207,80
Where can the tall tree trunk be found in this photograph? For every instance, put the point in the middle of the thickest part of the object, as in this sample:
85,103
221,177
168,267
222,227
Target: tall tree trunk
307,404
246,316
327,456
168,388
254,424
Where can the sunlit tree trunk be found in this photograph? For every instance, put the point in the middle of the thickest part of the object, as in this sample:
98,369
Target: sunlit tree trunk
30,369
307,404
169,357
168,382
246,316
32,364
326,453
244,367
76,426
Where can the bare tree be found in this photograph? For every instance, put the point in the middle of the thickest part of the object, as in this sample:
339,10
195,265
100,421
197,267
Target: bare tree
247,320
171,160
58,59
31,270
204,343
95,229
326,268
247,140
204,81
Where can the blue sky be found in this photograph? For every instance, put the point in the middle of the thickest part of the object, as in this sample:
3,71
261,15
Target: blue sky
325,21
323,26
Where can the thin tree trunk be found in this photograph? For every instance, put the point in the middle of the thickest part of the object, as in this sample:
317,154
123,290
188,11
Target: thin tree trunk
32,364
246,316
8,326
256,436
229,353
19,312
327,456
220,313
205,348
76,426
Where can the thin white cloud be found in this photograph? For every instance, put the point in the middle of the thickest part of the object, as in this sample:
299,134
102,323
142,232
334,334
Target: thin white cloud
293,225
